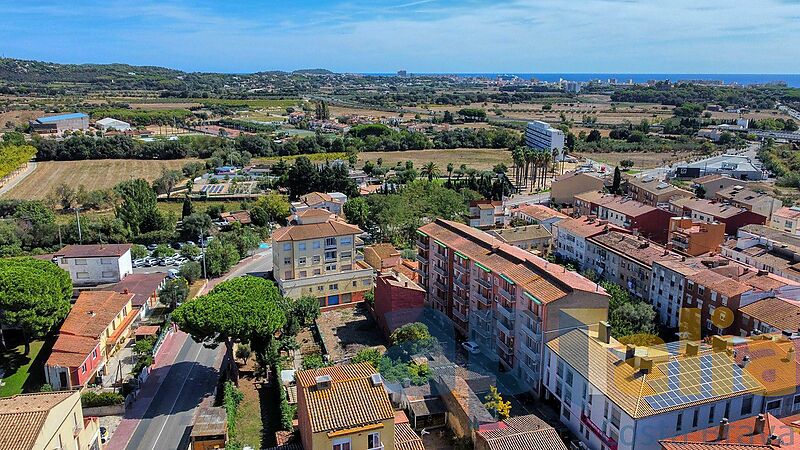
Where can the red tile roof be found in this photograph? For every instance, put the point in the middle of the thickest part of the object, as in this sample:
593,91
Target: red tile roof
740,435
93,312
585,227
93,251
541,212
330,228
23,416
141,285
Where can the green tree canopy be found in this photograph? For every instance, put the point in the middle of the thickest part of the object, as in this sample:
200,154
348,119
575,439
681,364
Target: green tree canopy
34,296
246,309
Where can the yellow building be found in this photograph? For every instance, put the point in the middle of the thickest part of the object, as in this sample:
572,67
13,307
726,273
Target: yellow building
47,421
347,408
318,257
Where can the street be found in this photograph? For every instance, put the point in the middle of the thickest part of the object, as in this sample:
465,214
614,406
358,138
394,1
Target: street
190,378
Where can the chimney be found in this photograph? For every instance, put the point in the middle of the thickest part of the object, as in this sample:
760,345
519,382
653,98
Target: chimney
790,353
125,291
724,429
692,348
758,428
630,351
323,382
376,380
718,344
745,361
604,332
645,365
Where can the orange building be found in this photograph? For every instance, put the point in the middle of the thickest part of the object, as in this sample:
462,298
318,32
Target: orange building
695,238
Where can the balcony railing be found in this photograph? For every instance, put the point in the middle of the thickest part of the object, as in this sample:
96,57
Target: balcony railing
506,310
505,347
440,285
483,282
506,294
440,270
462,284
505,326
422,257
460,315
482,298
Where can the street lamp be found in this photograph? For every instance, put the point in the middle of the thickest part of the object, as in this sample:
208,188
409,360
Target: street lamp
203,249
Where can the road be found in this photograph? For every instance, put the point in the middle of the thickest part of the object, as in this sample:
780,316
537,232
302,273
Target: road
18,177
191,377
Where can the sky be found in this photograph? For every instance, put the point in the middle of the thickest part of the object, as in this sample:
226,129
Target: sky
421,36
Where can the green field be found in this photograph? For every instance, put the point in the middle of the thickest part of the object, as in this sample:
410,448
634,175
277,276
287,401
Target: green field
23,372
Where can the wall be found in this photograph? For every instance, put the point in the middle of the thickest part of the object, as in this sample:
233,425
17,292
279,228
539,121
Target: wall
391,300
564,190
94,269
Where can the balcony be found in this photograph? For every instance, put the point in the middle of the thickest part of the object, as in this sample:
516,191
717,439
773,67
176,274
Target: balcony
508,295
486,301
462,284
484,282
422,257
423,243
460,315
440,270
506,347
505,326
440,285
507,310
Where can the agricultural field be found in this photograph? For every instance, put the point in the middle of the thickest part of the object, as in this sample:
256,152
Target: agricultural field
92,174
478,158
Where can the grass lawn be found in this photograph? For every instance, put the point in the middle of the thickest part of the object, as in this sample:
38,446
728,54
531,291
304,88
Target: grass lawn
23,373
249,427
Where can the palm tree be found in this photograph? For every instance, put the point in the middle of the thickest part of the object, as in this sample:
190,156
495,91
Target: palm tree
449,172
429,170
518,156
546,159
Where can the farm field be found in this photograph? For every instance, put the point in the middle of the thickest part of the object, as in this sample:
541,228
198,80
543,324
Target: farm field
478,158
92,174
641,160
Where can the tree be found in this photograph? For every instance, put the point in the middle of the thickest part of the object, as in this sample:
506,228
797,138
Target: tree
370,355
166,182
615,186
66,196
305,309
163,251
191,271
220,257
196,225
190,251
495,404
314,361
700,191
188,208
356,210
138,209
34,296
243,352
626,316
174,292
429,170
594,136
626,164
241,309
275,208
138,251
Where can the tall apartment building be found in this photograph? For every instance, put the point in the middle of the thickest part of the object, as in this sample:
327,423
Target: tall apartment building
613,396
507,300
318,257
652,191
542,136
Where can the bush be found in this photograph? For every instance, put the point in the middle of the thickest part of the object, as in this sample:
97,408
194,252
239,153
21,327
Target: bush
313,361
191,271
91,399
231,398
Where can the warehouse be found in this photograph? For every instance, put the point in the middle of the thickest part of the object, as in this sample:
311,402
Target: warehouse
60,123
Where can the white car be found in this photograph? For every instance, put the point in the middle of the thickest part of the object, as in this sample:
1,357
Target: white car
471,347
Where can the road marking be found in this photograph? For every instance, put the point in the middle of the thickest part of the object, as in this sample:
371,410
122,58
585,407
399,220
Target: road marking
174,402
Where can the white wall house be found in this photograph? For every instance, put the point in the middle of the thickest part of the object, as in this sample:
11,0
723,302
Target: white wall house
542,136
95,264
613,397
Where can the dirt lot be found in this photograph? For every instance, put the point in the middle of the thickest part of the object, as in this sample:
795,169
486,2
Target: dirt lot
18,117
93,174
478,158
345,331
641,160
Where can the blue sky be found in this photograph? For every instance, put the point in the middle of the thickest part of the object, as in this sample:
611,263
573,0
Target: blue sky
628,36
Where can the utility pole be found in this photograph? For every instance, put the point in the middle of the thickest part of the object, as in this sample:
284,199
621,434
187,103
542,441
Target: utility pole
78,217
203,247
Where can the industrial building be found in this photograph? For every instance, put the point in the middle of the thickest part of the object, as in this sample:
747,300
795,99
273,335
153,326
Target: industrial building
60,123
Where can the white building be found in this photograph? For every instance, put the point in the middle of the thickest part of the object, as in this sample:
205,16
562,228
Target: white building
110,124
95,264
542,136
621,397
569,237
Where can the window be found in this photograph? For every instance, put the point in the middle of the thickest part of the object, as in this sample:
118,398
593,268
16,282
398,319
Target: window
108,274
695,417
287,275
287,246
711,414
568,378
333,286
565,412
301,246
330,267
727,409
347,240
315,259
287,261
773,405
678,422
303,274
80,262
330,255
341,444
346,255
560,368
317,272
82,275
374,440
83,368
747,405
330,242
796,403
301,260
94,353
320,287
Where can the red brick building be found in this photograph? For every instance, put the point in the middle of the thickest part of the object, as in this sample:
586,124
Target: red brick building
398,301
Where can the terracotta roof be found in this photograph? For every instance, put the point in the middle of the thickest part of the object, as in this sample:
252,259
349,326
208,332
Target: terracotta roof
633,247
314,212
93,251
141,285
147,330
768,362
629,207
330,228
315,198
71,351
709,207
405,438
741,434
777,312
596,197
23,416
626,386
93,312
242,217
548,282
383,250
585,227
788,213
541,212
350,401
521,432
719,283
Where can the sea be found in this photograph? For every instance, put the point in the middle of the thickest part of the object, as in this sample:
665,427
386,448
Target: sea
792,80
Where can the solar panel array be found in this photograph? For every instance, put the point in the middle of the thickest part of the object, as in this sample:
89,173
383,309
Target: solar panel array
697,379
212,188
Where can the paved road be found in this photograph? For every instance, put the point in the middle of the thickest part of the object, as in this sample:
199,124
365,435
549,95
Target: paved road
192,377
18,177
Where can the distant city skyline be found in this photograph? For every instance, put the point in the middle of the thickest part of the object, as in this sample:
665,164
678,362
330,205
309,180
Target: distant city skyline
420,36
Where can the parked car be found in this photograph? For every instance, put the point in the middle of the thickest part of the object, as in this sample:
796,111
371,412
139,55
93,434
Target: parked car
137,263
471,347
172,273
152,247
150,262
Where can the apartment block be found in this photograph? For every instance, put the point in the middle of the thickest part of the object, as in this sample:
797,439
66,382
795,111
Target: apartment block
653,191
540,135
786,219
757,202
533,238
767,249
645,220
566,186
486,214
695,238
711,211
95,264
569,237
538,214
714,183
613,396
319,258
509,301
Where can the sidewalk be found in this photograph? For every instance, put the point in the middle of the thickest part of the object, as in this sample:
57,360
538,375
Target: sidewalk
166,357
